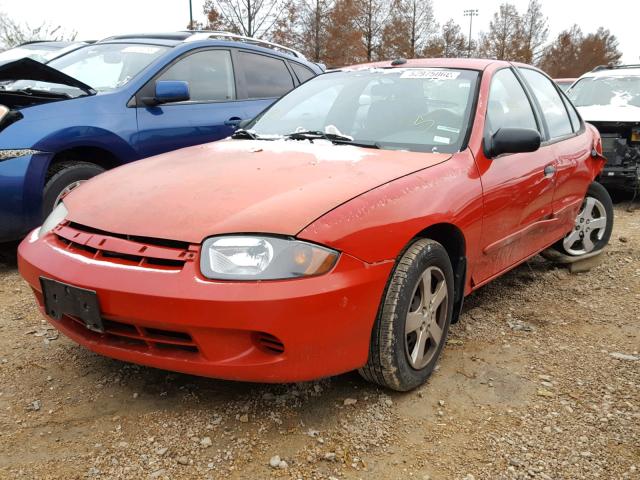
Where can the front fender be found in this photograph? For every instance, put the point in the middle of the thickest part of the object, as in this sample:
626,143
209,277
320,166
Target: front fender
21,181
87,136
377,225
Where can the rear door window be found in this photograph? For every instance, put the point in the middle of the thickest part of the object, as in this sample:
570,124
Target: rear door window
553,108
265,77
509,105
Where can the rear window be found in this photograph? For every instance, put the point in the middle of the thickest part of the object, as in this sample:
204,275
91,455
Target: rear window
266,77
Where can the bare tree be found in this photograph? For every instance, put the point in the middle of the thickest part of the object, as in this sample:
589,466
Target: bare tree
371,18
422,23
533,33
313,17
13,33
503,40
252,18
449,43
409,27
286,31
345,46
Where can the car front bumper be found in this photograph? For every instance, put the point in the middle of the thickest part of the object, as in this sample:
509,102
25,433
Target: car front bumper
621,177
174,319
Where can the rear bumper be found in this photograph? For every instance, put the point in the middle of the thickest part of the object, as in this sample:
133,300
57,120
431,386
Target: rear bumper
621,177
174,319
21,184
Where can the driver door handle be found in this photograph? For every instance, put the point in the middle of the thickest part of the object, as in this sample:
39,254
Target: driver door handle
549,171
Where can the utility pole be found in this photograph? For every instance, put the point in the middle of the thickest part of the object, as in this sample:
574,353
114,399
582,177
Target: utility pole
190,16
470,13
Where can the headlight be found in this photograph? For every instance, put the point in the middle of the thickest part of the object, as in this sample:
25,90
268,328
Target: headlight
249,257
7,154
3,112
55,217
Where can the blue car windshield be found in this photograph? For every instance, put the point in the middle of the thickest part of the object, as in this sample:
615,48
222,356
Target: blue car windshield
104,67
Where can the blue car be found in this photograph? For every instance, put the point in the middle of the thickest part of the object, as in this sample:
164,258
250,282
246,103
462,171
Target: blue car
122,99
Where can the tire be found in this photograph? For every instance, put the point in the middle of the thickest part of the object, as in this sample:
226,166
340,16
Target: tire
395,359
65,176
593,225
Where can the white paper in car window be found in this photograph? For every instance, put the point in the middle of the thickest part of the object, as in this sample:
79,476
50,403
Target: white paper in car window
429,73
141,49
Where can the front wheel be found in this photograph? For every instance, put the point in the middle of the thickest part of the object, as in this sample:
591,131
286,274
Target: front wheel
593,225
64,177
414,318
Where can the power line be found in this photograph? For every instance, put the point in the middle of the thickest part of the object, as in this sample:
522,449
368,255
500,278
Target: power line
470,13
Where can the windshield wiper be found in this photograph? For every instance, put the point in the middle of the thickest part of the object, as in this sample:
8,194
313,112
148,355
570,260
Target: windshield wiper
36,91
312,135
242,133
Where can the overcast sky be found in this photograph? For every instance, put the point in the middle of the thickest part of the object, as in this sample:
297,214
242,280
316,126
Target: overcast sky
94,19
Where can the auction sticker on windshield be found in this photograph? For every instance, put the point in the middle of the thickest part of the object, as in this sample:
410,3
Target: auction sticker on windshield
430,74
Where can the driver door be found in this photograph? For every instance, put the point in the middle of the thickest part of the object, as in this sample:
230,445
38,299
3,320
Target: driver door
517,188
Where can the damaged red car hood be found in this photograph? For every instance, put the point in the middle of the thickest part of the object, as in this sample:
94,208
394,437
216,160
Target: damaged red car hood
236,186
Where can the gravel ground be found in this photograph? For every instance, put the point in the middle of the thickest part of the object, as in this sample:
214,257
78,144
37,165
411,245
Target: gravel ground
540,379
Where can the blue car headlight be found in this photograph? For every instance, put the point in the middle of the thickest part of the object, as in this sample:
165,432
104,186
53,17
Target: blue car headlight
258,257
20,152
53,220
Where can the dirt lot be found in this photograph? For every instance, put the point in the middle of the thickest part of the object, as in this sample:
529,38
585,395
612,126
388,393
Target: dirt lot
540,379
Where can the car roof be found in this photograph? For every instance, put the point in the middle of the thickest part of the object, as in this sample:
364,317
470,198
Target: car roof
564,80
613,71
173,39
462,63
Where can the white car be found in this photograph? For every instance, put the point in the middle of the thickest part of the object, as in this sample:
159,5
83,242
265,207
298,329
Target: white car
609,98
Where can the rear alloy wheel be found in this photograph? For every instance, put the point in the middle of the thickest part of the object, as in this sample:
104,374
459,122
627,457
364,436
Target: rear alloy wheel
593,225
412,324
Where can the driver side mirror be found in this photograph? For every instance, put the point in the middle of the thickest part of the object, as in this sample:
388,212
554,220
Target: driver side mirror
168,91
511,140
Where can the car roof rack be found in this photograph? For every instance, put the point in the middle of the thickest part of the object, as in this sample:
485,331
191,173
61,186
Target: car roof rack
177,36
614,67
205,35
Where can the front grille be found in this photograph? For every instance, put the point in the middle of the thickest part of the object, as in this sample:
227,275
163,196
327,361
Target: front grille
269,343
163,342
125,249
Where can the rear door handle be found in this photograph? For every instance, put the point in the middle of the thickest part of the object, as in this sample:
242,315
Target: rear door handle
549,171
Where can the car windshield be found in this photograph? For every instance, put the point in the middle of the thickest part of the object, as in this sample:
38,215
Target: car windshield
617,91
419,109
36,52
104,67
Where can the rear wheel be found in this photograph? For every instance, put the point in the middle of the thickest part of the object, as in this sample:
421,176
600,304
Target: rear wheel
593,224
63,178
412,324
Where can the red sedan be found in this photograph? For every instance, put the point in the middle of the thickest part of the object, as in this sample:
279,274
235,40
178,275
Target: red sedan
341,229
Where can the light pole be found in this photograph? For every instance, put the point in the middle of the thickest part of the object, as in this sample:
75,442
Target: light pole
190,16
470,13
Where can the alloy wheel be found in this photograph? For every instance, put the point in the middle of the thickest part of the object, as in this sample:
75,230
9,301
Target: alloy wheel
589,228
426,318
65,191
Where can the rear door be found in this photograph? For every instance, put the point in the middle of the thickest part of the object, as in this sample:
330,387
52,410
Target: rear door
262,80
209,114
571,147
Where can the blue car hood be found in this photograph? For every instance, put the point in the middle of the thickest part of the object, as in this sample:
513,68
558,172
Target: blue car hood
28,69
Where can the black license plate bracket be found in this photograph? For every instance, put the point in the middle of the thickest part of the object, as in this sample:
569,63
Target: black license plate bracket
63,299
